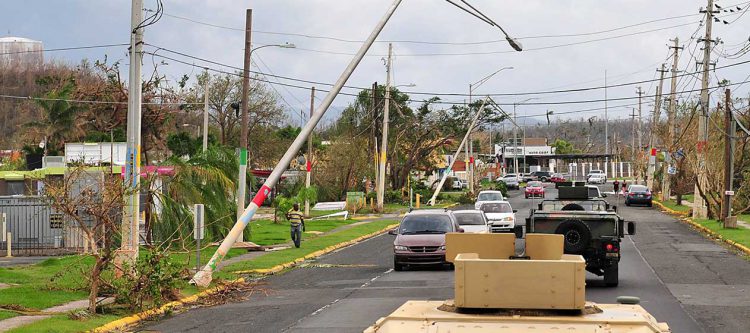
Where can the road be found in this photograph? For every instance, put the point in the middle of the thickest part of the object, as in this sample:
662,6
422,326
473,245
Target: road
692,283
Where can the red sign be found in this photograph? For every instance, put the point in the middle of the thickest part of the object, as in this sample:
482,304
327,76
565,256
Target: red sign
653,151
701,146
471,160
309,166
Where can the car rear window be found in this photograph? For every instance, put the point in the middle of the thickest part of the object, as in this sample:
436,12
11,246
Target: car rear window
638,188
469,218
426,224
490,197
496,207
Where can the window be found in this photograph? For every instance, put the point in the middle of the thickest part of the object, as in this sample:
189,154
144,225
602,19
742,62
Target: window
490,196
497,207
469,218
16,187
426,224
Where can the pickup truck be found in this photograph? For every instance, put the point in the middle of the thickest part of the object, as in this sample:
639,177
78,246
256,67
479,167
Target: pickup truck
591,227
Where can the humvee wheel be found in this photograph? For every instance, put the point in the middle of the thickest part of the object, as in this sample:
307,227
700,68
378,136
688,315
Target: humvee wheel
577,236
611,278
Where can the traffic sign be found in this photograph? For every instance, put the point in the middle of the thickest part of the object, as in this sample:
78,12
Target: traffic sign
672,170
728,192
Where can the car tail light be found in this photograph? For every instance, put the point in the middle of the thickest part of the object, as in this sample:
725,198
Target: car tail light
609,247
631,194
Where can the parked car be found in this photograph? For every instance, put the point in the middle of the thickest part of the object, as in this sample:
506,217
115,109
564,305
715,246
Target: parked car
543,176
597,172
459,184
534,189
500,214
511,181
420,238
638,194
488,195
472,221
557,177
526,177
596,178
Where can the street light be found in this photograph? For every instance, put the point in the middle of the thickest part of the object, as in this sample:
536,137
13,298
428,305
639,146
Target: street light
283,46
515,137
469,146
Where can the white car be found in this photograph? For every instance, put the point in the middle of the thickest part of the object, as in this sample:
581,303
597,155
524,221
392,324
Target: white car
596,178
473,221
594,192
597,172
511,180
501,216
488,196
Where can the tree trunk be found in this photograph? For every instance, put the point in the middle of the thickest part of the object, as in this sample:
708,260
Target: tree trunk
94,288
679,198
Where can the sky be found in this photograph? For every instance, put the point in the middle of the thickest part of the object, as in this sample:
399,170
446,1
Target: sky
567,45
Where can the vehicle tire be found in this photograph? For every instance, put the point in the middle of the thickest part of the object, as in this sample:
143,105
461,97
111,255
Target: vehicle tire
611,278
627,203
450,267
573,207
650,204
397,267
526,195
577,236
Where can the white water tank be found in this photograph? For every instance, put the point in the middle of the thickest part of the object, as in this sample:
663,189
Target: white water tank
19,52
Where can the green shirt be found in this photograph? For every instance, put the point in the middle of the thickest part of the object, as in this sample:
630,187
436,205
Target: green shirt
295,217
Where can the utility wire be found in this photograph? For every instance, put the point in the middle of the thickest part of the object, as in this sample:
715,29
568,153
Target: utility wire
68,48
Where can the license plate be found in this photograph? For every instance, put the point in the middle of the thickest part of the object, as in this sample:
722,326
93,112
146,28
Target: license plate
613,255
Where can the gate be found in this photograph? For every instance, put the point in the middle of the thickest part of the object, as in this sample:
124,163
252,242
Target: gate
36,229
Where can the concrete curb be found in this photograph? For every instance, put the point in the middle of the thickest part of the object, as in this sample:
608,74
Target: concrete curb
123,323
281,267
669,210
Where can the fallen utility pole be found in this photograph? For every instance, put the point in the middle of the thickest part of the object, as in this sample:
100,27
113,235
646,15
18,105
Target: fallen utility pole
730,129
439,187
654,124
671,116
203,277
384,141
131,213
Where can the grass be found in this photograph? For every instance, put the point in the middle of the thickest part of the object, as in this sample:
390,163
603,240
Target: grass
308,246
265,232
739,235
671,204
63,324
6,314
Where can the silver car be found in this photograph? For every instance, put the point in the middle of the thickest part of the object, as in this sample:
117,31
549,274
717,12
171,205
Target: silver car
472,221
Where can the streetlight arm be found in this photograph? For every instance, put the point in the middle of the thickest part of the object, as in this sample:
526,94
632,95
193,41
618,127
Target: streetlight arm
484,79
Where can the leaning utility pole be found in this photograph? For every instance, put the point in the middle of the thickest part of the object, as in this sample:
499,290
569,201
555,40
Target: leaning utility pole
699,204
131,212
665,183
384,139
308,176
204,276
654,124
241,182
730,129
455,156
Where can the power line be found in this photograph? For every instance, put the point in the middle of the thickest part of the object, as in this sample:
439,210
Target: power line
68,48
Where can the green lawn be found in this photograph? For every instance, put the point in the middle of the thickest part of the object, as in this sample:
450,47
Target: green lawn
6,314
265,232
739,235
63,324
671,204
308,246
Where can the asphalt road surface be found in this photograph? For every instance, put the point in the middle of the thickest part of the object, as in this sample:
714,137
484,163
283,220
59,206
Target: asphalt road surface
692,283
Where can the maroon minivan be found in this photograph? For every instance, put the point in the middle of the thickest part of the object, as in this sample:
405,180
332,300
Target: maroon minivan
420,238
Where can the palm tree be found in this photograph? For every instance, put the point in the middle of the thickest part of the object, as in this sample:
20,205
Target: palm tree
59,116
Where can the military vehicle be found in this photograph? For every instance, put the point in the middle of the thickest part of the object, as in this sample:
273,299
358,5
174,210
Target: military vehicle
590,226
507,283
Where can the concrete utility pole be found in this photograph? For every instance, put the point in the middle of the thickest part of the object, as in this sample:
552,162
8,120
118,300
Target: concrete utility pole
204,276
665,183
656,115
384,140
606,128
730,129
308,176
699,204
131,212
241,182
205,112
455,156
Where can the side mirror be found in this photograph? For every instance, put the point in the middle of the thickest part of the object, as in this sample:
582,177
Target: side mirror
518,230
614,208
461,230
393,231
604,195
515,210
631,228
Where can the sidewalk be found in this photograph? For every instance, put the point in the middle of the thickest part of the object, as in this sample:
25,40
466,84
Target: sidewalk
22,320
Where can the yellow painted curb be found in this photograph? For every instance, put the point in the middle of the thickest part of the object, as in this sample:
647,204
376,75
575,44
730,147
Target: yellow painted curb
714,234
123,323
669,210
318,253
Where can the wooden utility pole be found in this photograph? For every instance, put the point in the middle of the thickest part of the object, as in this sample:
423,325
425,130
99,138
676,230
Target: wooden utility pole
640,137
308,176
699,204
373,113
730,129
244,126
665,190
632,136
384,140
656,115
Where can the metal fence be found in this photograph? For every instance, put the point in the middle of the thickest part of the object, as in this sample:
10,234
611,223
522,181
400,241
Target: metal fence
37,230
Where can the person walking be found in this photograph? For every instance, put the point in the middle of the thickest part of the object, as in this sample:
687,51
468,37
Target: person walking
297,224
616,185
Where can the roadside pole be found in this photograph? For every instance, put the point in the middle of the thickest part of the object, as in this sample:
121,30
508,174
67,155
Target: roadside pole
203,278
699,204
308,176
654,123
205,112
384,140
242,181
671,116
730,129
439,187
131,217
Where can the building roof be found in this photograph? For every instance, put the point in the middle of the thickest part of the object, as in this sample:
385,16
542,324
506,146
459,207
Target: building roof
17,39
